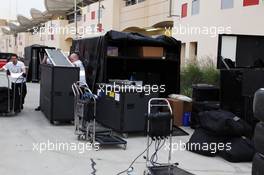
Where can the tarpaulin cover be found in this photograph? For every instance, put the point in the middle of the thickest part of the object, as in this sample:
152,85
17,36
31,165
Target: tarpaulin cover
92,51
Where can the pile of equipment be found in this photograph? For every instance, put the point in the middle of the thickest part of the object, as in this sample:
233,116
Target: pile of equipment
205,98
241,64
223,134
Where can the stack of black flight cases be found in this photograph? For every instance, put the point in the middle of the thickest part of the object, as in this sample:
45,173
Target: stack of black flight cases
258,162
205,98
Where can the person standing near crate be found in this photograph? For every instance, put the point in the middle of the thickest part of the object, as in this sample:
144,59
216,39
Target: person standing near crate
14,66
75,60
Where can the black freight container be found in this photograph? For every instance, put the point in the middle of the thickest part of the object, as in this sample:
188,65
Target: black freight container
241,63
120,55
124,112
56,97
128,62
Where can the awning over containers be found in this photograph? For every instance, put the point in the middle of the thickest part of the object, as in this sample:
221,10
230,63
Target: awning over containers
39,17
6,31
15,28
23,21
3,22
59,6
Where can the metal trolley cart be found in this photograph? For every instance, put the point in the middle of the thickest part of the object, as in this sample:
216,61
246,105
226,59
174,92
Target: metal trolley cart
86,127
11,96
159,129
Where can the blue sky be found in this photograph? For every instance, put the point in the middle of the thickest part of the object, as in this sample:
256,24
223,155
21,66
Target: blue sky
10,8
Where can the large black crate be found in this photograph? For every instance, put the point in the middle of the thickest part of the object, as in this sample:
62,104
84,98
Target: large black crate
129,62
258,164
124,112
56,97
4,99
259,137
238,87
205,92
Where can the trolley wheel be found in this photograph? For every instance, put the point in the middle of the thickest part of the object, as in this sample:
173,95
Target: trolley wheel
78,137
146,172
124,146
125,135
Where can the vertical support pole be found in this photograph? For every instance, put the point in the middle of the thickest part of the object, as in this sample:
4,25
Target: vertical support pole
99,12
8,93
170,10
75,19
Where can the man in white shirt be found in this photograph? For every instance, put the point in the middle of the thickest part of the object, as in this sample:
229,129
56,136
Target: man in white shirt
75,60
17,72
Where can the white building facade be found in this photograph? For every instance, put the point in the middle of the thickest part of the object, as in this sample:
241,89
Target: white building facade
200,22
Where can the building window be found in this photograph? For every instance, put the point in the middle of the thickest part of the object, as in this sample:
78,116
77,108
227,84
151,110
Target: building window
93,15
227,4
250,2
184,10
71,19
183,52
133,2
130,2
52,37
193,50
195,7
84,18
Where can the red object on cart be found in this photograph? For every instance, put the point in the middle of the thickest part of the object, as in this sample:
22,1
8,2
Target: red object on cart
2,62
4,58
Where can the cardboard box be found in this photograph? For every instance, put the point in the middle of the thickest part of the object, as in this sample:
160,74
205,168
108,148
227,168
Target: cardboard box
179,107
151,52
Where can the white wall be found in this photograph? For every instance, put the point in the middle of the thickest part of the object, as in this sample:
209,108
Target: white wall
144,14
242,20
8,43
109,19
22,42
